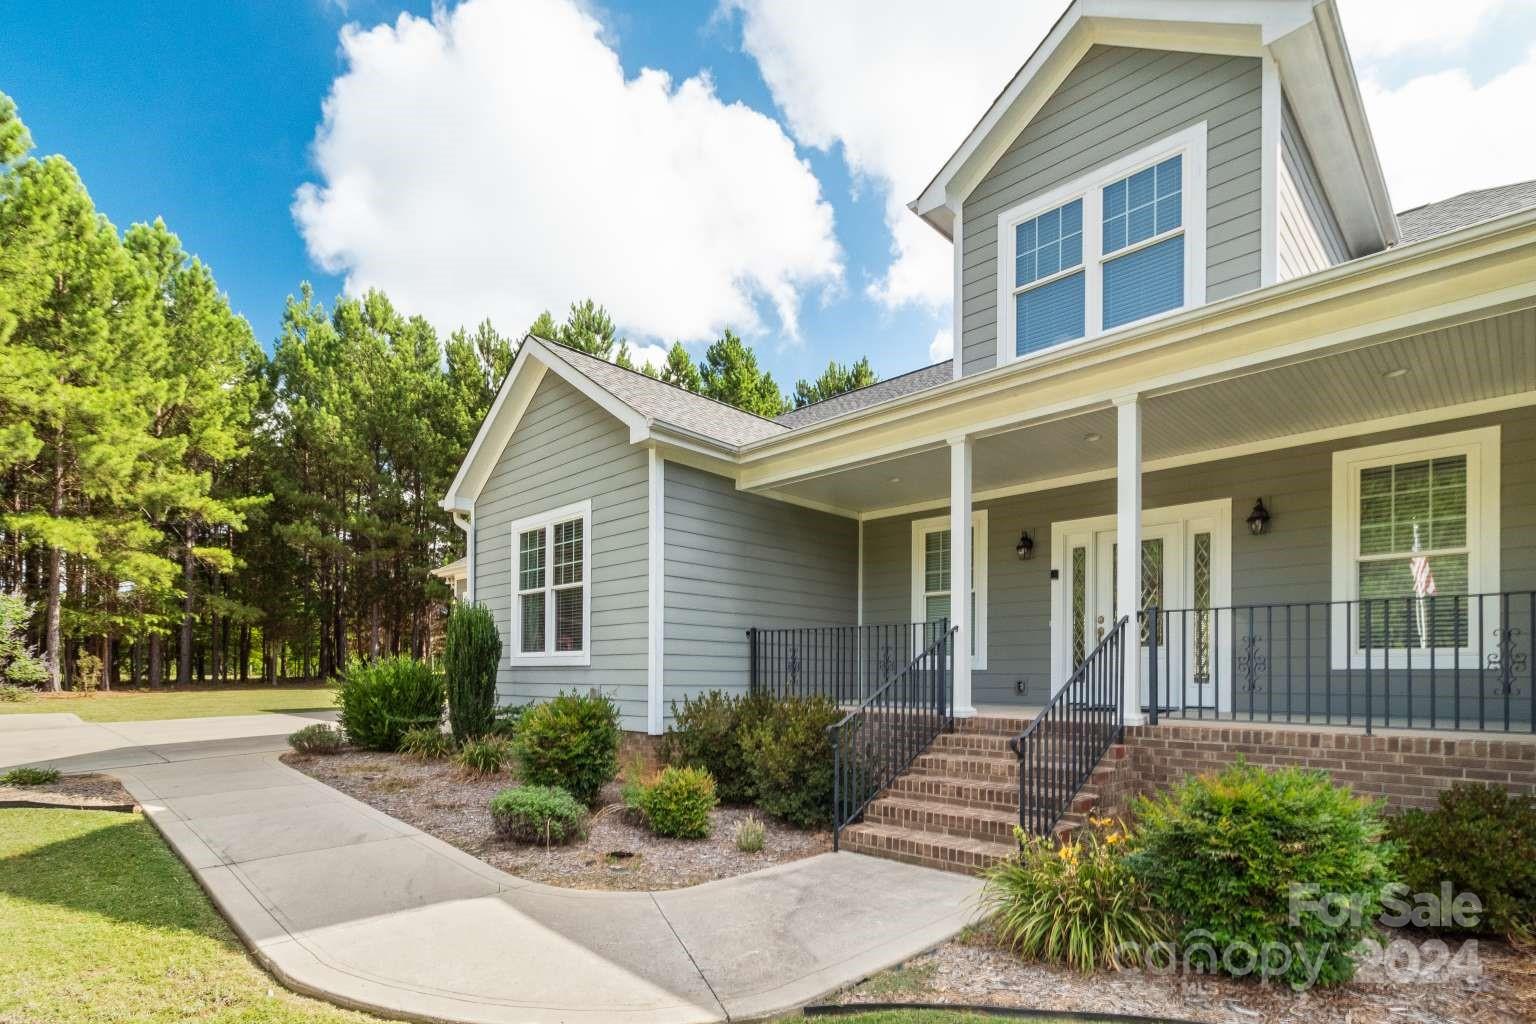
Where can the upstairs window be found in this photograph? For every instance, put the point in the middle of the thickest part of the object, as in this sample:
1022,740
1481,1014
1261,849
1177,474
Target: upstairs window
1116,247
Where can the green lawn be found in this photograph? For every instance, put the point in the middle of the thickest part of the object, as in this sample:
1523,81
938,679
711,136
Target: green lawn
144,705
102,923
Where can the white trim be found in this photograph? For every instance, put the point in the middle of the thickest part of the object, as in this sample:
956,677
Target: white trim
496,429
860,610
1190,144
923,527
656,569
1325,434
957,311
1481,447
1270,116
544,521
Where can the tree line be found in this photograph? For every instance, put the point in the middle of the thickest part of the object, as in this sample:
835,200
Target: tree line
178,504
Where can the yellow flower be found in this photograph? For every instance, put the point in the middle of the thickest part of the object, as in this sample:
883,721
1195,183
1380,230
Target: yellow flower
1113,838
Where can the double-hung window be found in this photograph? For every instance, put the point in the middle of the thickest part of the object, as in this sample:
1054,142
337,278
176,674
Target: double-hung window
551,565
1416,538
1113,248
933,579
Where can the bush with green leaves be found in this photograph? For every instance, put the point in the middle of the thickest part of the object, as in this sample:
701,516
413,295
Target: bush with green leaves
1222,853
538,814
16,694
26,776
471,652
571,741
706,732
789,757
379,702
484,756
319,738
675,802
1077,904
19,664
427,743
1482,840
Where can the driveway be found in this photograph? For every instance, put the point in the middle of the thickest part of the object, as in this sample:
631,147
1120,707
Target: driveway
63,741
344,902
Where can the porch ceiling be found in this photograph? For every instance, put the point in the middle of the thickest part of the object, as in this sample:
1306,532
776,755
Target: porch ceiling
1486,359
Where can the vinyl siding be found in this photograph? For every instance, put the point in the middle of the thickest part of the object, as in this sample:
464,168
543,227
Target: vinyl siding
737,560
1291,563
566,449
1309,237
1118,100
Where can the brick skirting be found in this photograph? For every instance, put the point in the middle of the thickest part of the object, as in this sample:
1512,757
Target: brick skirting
1408,769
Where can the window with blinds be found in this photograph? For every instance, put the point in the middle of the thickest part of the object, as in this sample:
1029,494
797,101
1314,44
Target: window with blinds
1143,244
1414,546
1049,281
553,604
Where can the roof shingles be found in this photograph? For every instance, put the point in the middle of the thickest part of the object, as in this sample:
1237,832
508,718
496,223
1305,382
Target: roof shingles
1464,210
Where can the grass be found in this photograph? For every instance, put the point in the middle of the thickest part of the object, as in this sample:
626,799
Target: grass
145,705
103,924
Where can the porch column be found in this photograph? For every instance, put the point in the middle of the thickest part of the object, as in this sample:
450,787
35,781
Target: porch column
960,452
1128,544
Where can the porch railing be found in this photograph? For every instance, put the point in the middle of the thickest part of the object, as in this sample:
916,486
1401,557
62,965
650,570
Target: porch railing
879,739
1064,743
843,663
1451,661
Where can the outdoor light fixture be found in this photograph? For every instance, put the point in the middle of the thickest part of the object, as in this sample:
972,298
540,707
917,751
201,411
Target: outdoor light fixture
1258,519
1026,548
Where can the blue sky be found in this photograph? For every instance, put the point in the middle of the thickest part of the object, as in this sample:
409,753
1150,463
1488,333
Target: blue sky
759,185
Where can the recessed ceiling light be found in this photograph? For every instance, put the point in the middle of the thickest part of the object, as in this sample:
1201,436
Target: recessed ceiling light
1393,374
1090,437
895,479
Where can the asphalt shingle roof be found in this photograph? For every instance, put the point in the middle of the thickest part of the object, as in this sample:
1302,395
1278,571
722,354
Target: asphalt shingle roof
668,403
1464,210
883,391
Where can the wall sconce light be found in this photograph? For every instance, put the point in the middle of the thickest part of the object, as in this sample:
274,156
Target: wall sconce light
1026,548
1258,519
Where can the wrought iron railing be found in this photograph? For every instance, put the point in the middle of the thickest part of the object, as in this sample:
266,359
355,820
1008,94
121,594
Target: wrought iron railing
1451,661
1064,743
879,739
843,663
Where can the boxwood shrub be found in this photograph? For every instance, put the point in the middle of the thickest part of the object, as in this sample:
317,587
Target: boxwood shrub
319,738
379,702
707,732
676,802
572,742
789,757
538,814
1220,853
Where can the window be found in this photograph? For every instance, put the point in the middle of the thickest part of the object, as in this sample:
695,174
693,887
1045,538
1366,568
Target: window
1416,528
553,602
932,564
1116,247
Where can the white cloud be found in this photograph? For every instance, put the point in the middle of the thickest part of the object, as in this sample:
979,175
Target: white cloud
654,356
897,85
942,346
1388,28
495,161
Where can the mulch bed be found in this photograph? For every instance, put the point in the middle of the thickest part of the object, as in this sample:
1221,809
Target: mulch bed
81,792
974,971
617,853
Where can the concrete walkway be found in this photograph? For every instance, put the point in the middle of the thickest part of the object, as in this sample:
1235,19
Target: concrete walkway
344,902
63,741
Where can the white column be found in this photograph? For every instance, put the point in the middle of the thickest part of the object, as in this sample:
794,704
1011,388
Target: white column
656,626
1128,543
960,452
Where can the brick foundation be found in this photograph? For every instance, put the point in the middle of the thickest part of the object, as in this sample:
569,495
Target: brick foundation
1407,769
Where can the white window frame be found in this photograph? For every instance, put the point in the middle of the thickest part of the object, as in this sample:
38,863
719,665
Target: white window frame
546,521
1481,448
1189,143
920,530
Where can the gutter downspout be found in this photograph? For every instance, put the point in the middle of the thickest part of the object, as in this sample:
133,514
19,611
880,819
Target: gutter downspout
466,522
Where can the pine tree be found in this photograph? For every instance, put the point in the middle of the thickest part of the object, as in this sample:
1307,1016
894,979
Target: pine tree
836,380
730,374
679,369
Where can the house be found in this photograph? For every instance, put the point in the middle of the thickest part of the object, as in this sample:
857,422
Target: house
456,575
1203,374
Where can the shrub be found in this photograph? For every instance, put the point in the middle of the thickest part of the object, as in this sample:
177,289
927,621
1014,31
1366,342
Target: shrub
572,742
1077,904
485,756
15,694
316,739
789,757
426,743
29,777
87,672
676,802
1222,852
504,722
706,732
1481,840
471,652
538,814
19,664
750,835
379,702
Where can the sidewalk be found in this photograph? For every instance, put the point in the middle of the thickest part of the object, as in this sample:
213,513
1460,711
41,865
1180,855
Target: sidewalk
344,902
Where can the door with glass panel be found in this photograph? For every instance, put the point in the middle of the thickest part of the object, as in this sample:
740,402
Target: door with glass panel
1161,583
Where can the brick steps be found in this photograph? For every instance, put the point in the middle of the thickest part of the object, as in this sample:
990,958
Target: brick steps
931,850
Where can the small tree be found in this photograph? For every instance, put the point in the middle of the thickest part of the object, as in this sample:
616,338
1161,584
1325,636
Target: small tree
19,664
471,652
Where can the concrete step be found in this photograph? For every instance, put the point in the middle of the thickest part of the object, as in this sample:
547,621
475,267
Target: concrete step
928,849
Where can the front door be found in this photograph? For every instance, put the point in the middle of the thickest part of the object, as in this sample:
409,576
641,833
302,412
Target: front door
1185,555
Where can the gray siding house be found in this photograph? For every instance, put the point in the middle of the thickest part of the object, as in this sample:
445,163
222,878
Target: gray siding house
1205,378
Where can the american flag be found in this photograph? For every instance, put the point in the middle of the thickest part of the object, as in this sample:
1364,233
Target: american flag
1423,579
